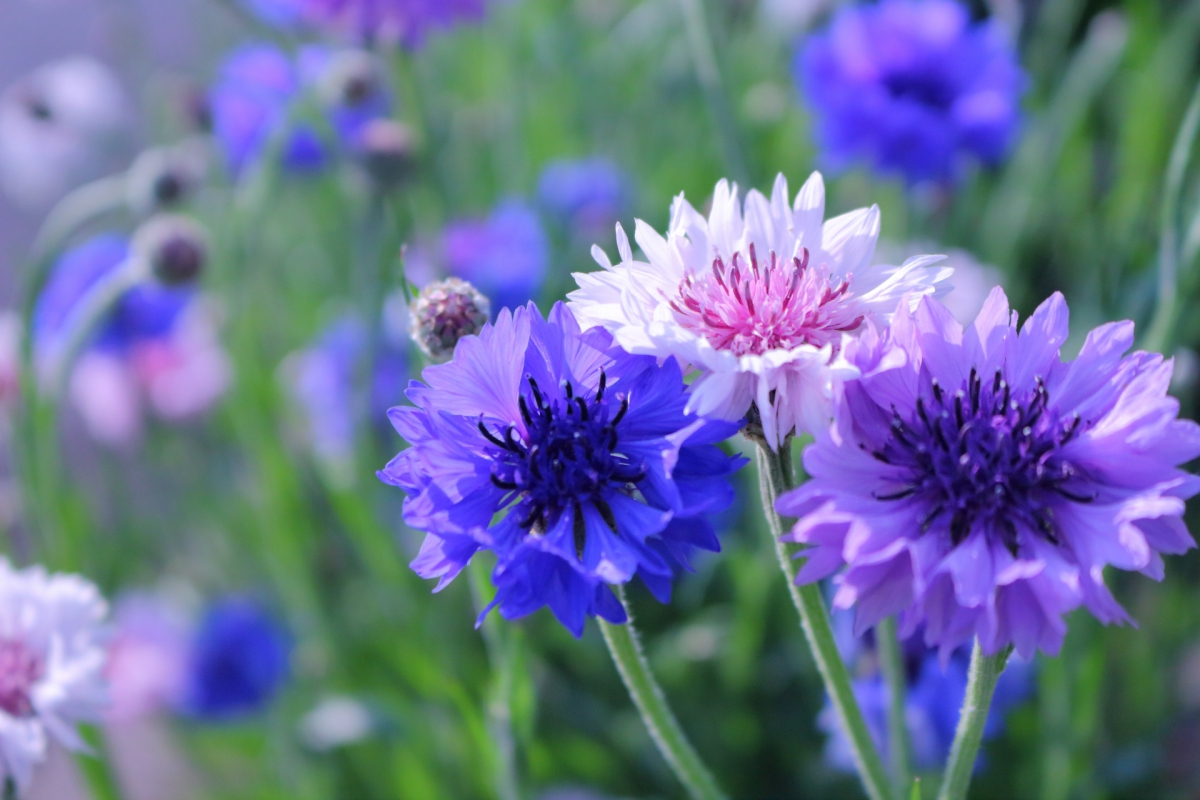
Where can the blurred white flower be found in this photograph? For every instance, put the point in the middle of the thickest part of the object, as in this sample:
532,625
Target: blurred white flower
336,721
57,126
51,665
786,18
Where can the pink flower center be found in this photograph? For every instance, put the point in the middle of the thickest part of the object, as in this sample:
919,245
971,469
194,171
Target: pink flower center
751,311
19,671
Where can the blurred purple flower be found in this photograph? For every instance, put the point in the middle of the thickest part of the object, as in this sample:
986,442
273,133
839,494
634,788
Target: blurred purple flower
253,97
932,706
587,195
505,256
238,661
529,443
405,21
913,87
147,658
157,348
974,482
322,379
59,126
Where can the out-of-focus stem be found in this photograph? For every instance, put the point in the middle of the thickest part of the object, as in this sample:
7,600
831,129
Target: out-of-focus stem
981,685
501,654
891,662
704,56
1162,327
626,649
775,477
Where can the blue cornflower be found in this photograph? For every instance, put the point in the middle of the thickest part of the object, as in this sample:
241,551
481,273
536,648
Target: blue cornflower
586,195
932,706
238,661
912,87
257,86
156,347
323,380
505,256
573,461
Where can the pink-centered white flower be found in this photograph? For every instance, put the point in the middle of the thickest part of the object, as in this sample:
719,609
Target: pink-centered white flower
758,299
51,665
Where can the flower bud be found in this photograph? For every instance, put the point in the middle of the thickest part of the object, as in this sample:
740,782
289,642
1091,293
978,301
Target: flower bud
165,177
387,152
445,312
352,79
175,248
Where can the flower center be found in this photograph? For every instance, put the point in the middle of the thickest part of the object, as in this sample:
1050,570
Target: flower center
19,671
925,87
984,457
751,311
568,456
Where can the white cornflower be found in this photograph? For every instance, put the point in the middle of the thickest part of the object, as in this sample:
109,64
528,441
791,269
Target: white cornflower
757,300
51,665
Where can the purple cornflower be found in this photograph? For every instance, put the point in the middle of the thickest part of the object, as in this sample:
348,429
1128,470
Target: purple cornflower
252,100
913,87
505,255
405,21
586,195
570,459
975,482
237,662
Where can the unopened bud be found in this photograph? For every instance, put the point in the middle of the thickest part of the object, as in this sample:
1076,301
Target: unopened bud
164,177
443,313
175,247
352,79
387,151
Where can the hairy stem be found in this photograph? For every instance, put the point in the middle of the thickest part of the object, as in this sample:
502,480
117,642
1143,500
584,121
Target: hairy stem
981,685
775,476
626,649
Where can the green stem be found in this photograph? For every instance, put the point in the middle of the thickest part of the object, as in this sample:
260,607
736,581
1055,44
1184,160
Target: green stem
704,56
891,662
775,476
981,685
501,654
626,649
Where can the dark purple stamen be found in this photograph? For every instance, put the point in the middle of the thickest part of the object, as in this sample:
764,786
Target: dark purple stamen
567,457
987,460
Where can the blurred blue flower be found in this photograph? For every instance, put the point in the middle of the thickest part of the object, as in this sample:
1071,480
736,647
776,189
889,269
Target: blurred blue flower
528,443
405,21
322,379
505,256
157,346
935,696
912,87
586,195
238,661
254,94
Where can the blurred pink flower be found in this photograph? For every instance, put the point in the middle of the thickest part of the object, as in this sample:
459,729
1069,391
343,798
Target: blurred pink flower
177,375
147,660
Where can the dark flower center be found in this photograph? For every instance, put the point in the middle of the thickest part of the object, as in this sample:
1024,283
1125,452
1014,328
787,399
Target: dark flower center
567,457
984,457
930,90
19,671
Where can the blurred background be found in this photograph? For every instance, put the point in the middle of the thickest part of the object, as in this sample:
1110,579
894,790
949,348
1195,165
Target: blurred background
207,452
